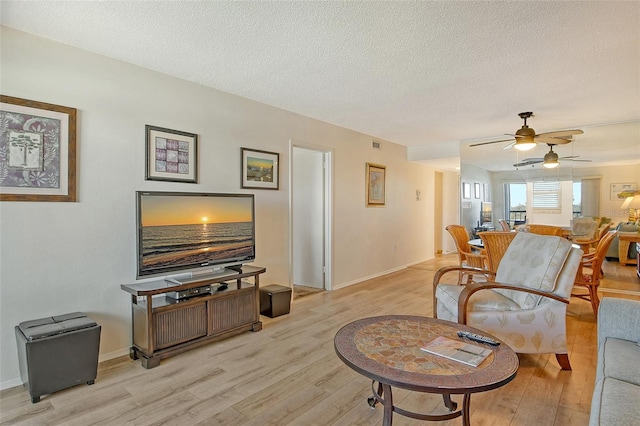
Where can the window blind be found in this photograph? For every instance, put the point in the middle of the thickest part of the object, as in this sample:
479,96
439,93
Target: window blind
547,196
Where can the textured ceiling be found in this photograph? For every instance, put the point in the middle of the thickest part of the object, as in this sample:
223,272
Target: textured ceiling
422,74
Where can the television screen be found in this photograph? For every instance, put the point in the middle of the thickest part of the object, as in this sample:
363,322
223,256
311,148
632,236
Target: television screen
485,213
179,231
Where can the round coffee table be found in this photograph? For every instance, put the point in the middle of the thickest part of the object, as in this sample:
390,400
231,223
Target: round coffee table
387,350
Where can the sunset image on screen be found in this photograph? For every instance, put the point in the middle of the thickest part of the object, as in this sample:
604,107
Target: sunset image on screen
194,230
178,210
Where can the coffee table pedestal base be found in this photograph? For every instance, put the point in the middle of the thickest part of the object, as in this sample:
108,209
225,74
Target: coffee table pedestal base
384,396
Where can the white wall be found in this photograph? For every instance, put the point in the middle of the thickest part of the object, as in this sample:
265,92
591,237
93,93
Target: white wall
620,174
450,208
471,206
65,257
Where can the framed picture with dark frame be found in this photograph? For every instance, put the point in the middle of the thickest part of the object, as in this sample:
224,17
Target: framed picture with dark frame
476,190
375,191
39,142
172,155
260,169
466,190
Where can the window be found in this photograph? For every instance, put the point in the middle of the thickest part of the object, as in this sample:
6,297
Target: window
547,196
577,199
516,203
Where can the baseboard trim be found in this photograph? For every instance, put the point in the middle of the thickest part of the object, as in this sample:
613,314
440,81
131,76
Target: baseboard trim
379,274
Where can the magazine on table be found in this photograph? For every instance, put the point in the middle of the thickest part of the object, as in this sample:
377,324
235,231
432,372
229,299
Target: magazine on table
457,350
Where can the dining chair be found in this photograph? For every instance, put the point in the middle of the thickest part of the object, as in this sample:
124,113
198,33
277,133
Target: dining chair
526,305
504,225
590,272
495,245
545,229
466,256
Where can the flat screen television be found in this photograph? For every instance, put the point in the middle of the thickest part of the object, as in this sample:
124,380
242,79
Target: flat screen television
486,213
189,231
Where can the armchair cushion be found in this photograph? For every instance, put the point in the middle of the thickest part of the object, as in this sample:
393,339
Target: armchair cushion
521,263
489,301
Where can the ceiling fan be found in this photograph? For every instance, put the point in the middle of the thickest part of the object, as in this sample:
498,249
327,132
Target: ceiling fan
526,138
550,160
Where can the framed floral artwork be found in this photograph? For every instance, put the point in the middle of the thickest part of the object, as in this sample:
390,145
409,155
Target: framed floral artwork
37,151
172,155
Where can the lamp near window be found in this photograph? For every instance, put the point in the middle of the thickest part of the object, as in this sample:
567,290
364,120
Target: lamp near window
633,204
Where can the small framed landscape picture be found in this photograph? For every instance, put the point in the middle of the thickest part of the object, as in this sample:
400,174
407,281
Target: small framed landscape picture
375,189
171,155
260,169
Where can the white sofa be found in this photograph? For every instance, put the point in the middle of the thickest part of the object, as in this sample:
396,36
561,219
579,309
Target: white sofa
616,397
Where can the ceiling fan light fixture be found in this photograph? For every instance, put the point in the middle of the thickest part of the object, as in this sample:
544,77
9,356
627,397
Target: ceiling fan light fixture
550,160
525,144
525,138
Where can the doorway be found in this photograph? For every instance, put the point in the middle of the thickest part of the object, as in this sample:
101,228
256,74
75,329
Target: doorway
310,219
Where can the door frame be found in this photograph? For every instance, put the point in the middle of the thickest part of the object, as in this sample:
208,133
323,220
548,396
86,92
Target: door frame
327,156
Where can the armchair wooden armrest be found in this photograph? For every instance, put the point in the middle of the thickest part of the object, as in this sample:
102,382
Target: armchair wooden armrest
461,270
477,260
473,287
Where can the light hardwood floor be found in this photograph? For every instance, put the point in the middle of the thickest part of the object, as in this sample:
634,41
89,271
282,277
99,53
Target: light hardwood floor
288,373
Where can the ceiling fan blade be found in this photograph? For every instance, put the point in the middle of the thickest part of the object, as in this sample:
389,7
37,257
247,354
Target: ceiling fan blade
536,160
584,161
509,146
552,140
569,157
528,163
488,143
562,133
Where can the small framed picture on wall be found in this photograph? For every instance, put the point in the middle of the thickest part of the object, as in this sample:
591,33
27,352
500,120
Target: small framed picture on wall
375,190
171,155
466,190
476,190
260,169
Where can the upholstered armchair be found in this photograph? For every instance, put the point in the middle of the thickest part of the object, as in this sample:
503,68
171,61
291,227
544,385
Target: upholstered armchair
526,304
584,228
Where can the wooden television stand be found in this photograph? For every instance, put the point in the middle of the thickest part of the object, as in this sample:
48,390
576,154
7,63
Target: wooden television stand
163,327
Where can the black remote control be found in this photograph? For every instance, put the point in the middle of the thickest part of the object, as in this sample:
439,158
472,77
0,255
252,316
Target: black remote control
477,338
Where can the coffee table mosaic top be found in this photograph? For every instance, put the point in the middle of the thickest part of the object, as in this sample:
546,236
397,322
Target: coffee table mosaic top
387,348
